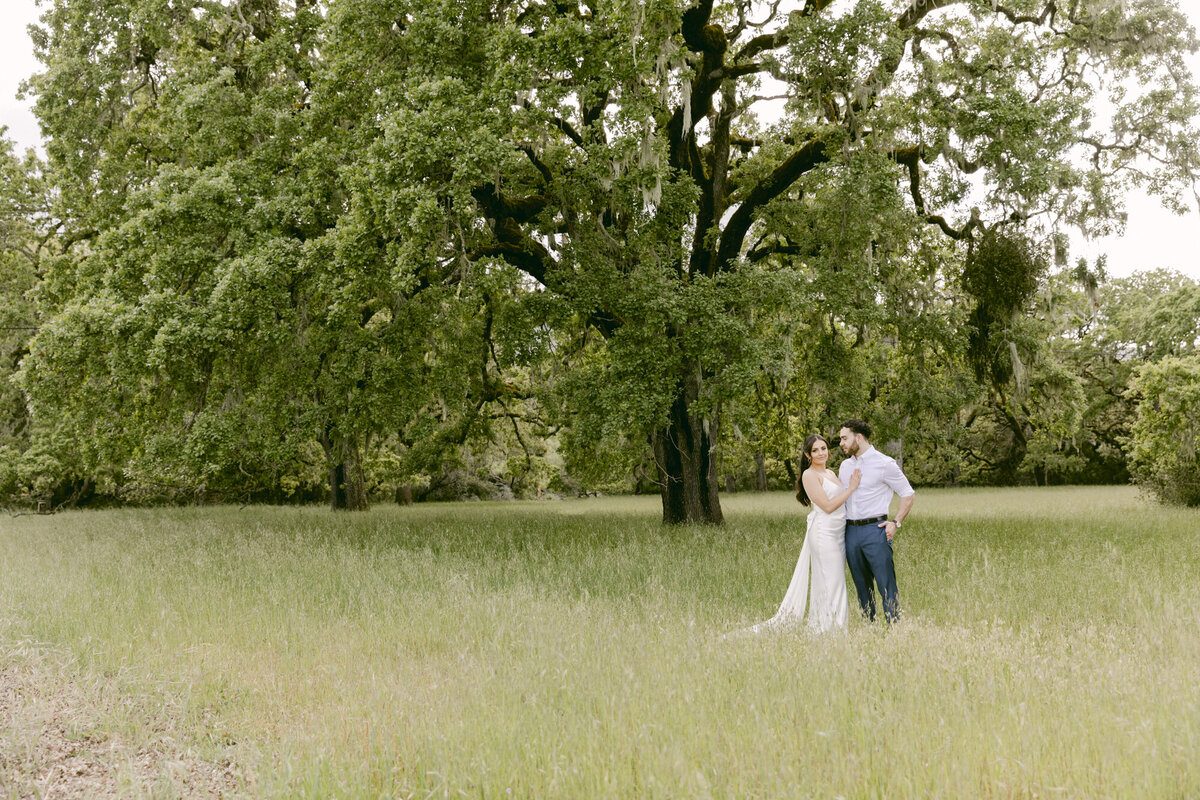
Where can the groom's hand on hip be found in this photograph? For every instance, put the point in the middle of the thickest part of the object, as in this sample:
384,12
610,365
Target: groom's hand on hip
889,529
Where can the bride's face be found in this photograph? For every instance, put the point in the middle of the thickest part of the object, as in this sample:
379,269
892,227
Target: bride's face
819,453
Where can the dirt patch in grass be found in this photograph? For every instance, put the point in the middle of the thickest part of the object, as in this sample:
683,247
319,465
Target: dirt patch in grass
57,740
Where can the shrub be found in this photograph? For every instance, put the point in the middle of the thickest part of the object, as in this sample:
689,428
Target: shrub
1165,439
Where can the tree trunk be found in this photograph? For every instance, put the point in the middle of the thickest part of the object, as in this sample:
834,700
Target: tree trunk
760,471
1009,465
337,490
347,483
641,480
354,482
687,466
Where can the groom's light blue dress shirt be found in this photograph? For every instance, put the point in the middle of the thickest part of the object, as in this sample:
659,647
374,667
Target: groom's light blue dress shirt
881,476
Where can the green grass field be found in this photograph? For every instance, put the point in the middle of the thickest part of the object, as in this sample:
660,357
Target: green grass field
1050,648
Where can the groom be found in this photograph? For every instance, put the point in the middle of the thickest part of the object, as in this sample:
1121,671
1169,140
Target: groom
869,532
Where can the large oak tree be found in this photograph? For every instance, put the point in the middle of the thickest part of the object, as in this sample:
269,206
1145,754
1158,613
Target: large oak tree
657,165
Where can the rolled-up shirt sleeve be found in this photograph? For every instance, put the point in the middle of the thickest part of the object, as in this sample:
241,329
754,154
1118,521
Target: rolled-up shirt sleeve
894,477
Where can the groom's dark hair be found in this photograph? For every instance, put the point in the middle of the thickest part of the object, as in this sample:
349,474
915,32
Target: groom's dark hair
858,426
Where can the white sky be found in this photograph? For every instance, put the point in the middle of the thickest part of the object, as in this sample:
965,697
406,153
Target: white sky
1154,237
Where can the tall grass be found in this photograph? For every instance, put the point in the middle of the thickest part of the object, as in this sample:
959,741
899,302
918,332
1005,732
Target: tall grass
1049,647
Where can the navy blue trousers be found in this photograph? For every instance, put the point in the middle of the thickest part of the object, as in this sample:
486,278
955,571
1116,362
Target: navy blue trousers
869,554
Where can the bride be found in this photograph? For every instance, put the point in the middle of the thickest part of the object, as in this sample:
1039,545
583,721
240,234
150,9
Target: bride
824,550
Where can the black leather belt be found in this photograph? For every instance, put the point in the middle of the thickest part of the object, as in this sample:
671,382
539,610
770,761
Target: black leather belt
866,521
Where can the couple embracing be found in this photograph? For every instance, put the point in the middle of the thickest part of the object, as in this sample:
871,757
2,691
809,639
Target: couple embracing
849,524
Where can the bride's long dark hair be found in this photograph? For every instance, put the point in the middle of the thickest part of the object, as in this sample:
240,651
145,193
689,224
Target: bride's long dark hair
805,463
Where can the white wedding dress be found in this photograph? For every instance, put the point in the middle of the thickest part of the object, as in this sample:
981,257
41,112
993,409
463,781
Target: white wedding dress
819,580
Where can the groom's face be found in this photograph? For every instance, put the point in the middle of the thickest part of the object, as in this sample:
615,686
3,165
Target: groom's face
849,442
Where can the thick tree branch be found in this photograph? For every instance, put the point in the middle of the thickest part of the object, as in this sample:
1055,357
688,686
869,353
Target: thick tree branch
911,157
527,256
512,243
921,34
566,128
1048,12
497,205
739,70
760,44
20,249
521,250
684,154
920,9
775,184
696,31
814,6
714,200
760,252
539,165
743,144
595,111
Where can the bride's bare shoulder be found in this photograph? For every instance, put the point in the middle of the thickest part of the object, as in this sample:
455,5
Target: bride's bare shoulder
819,477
